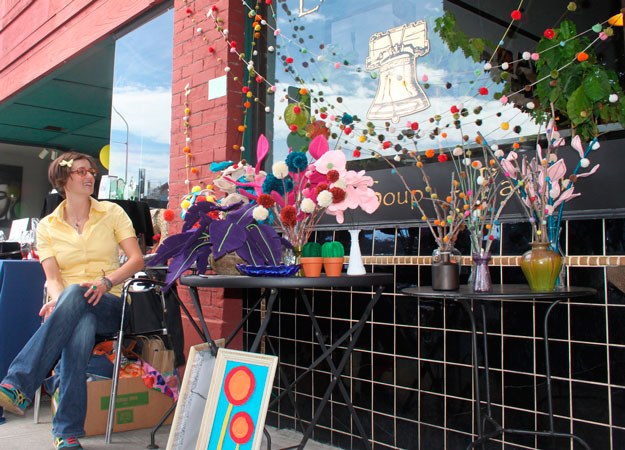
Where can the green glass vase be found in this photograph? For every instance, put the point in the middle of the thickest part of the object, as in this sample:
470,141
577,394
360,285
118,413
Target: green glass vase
541,266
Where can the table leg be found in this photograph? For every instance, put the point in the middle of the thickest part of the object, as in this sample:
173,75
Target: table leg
273,293
548,364
195,298
337,370
245,318
476,375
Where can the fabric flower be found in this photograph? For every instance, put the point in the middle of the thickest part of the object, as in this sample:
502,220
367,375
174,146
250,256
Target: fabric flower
280,170
307,206
272,183
338,194
260,213
358,194
297,162
288,216
266,201
324,199
332,160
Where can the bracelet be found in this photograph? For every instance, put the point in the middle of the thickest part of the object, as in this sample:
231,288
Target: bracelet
106,282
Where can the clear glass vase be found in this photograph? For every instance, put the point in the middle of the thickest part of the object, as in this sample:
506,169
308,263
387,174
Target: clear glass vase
481,281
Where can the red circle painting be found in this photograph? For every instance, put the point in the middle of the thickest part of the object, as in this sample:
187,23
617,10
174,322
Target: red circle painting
241,427
239,385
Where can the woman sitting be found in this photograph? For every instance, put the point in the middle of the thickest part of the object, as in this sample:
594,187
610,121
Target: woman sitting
78,248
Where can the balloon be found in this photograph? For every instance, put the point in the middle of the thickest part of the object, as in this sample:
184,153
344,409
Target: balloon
105,153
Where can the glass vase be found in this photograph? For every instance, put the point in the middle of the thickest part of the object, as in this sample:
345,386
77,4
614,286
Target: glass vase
481,281
541,266
446,269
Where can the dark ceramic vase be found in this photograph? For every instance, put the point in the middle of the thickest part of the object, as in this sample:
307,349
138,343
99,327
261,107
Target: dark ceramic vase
445,270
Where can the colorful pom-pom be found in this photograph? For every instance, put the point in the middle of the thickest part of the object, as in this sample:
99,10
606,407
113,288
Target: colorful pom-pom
168,215
516,15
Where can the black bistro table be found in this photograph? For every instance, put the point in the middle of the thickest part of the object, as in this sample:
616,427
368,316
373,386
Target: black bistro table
465,296
271,287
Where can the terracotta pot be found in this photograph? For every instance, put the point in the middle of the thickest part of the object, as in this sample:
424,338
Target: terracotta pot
541,266
333,266
311,266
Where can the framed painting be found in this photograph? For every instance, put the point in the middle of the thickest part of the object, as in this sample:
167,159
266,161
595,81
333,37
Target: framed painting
185,427
237,401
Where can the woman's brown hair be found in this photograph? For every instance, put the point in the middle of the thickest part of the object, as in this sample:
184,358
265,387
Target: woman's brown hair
59,174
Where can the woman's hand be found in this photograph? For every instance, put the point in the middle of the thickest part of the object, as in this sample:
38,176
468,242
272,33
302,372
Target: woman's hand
47,309
95,291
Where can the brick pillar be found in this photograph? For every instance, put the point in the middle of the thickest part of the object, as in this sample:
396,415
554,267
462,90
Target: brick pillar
212,126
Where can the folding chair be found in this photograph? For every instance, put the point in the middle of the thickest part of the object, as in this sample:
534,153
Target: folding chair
133,285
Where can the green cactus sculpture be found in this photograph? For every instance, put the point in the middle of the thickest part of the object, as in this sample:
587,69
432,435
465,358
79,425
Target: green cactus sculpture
311,250
332,249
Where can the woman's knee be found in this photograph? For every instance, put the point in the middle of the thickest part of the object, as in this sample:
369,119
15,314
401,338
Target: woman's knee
73,296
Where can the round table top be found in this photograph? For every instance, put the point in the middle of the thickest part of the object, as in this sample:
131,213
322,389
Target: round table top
501,292
245,282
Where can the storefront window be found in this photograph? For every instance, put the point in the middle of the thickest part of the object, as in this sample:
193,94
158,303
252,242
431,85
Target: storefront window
141,109
380,72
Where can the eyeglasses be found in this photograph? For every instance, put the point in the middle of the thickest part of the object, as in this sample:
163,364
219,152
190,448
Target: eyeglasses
82,172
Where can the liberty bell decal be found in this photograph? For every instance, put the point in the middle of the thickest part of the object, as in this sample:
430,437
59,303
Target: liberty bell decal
394,53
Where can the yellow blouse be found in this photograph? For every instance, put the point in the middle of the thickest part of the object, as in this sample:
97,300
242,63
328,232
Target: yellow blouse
83,257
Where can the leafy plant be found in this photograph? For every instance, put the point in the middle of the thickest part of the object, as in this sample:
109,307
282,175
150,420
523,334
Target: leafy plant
202,235
570,77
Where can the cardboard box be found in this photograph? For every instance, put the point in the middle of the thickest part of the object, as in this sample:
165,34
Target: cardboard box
137,406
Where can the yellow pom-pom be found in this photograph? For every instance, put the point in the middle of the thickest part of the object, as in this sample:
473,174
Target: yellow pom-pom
196,189
185,204
210,198
505,126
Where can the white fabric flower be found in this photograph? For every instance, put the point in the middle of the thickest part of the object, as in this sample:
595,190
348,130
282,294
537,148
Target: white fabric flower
307,206
324,199
260,213
280,170
458,151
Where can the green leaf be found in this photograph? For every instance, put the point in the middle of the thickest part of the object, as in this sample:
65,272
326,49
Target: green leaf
300,119
597,85
579,107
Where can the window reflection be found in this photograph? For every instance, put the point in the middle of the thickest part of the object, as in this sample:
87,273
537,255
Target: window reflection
141,113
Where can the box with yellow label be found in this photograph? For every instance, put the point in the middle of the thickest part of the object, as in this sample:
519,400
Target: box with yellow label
137,406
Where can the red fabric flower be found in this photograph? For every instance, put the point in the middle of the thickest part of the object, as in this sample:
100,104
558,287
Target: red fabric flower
266,200
443,157
516,14
338,194
333,176
168,215
549,33
320,187
288,216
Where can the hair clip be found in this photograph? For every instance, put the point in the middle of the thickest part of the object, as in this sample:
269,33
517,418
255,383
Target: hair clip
67,163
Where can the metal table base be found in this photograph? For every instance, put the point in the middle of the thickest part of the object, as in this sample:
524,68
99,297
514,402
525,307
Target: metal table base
272,287
502,293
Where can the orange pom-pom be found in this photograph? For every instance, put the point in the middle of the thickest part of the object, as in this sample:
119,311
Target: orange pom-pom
168,215
186,149
582,56
194,170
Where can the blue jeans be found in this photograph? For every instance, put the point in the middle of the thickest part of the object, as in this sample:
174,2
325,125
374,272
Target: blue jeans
69,333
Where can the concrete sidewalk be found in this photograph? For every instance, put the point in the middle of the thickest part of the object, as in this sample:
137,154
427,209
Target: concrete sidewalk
20,433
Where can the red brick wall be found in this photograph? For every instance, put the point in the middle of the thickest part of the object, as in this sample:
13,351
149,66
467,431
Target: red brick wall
36,37
212,124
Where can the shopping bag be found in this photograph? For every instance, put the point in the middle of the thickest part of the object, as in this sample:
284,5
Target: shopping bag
154,352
